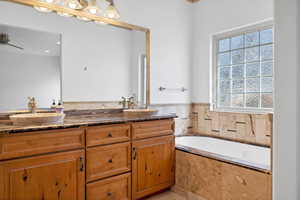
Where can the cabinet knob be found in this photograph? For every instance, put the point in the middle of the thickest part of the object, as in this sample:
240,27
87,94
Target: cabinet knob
109,194
109,135
110,160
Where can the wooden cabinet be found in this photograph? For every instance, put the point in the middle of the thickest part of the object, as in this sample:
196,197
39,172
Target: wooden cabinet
117,188
109,160
153,166
56,176
113,162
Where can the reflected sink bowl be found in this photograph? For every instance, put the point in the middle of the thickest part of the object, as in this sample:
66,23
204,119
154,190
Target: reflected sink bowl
36,118
140,112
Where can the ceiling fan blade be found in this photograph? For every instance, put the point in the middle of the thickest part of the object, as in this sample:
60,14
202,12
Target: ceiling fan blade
15,46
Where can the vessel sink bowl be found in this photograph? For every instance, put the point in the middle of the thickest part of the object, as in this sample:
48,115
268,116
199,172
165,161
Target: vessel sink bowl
36,118
140,111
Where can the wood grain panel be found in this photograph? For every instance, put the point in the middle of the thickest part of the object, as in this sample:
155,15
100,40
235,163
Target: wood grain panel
32,143
56,176
142,130
100,135
118,188
109,160
214,180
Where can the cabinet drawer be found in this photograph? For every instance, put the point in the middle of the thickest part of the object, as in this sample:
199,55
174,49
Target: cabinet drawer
100,135
149,129
32,143
118,187
109,160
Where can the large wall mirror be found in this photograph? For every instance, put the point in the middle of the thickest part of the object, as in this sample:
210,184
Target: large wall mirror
50,57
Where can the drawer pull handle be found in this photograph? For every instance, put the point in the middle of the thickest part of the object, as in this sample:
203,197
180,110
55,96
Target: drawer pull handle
110,160
109,135
81,163
134,153
109,194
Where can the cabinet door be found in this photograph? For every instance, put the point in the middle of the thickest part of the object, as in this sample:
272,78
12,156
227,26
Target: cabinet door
57,176
153,165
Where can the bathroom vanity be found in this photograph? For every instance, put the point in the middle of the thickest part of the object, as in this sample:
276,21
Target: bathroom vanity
87,64
123,159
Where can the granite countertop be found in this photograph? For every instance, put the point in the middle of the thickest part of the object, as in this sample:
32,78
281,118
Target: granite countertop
72,121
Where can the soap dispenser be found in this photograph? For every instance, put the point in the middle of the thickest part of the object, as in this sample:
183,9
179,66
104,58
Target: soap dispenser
53,106
60,107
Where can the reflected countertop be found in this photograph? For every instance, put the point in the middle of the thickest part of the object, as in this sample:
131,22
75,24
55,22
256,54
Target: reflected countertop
72,121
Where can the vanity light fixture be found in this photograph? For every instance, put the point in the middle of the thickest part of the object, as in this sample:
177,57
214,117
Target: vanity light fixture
88,6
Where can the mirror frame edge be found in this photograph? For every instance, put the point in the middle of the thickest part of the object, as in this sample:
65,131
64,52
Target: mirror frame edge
111,22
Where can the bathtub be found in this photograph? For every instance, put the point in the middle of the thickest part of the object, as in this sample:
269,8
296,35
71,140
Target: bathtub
246,155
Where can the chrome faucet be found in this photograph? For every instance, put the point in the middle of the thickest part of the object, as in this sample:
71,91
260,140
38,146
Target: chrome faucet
32,105
128,103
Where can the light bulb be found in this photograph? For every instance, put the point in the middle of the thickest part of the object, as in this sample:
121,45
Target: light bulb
93,8
112,12
74,4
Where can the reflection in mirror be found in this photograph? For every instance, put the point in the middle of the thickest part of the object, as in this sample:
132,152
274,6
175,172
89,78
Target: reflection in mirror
99,63
29,66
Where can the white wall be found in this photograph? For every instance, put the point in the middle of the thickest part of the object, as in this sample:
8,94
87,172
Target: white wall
23,75
287,127
211,17
170,24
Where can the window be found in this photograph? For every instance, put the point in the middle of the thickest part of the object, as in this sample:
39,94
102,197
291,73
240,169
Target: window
243,70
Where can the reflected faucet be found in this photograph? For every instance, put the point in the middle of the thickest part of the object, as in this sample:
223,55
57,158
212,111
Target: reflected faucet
32,105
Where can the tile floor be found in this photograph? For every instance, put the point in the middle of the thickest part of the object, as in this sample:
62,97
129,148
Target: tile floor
167,195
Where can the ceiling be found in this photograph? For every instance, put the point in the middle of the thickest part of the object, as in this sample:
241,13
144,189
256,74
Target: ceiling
34,42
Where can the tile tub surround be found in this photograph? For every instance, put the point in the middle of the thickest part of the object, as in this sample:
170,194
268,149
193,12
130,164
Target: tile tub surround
241,127
204,178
